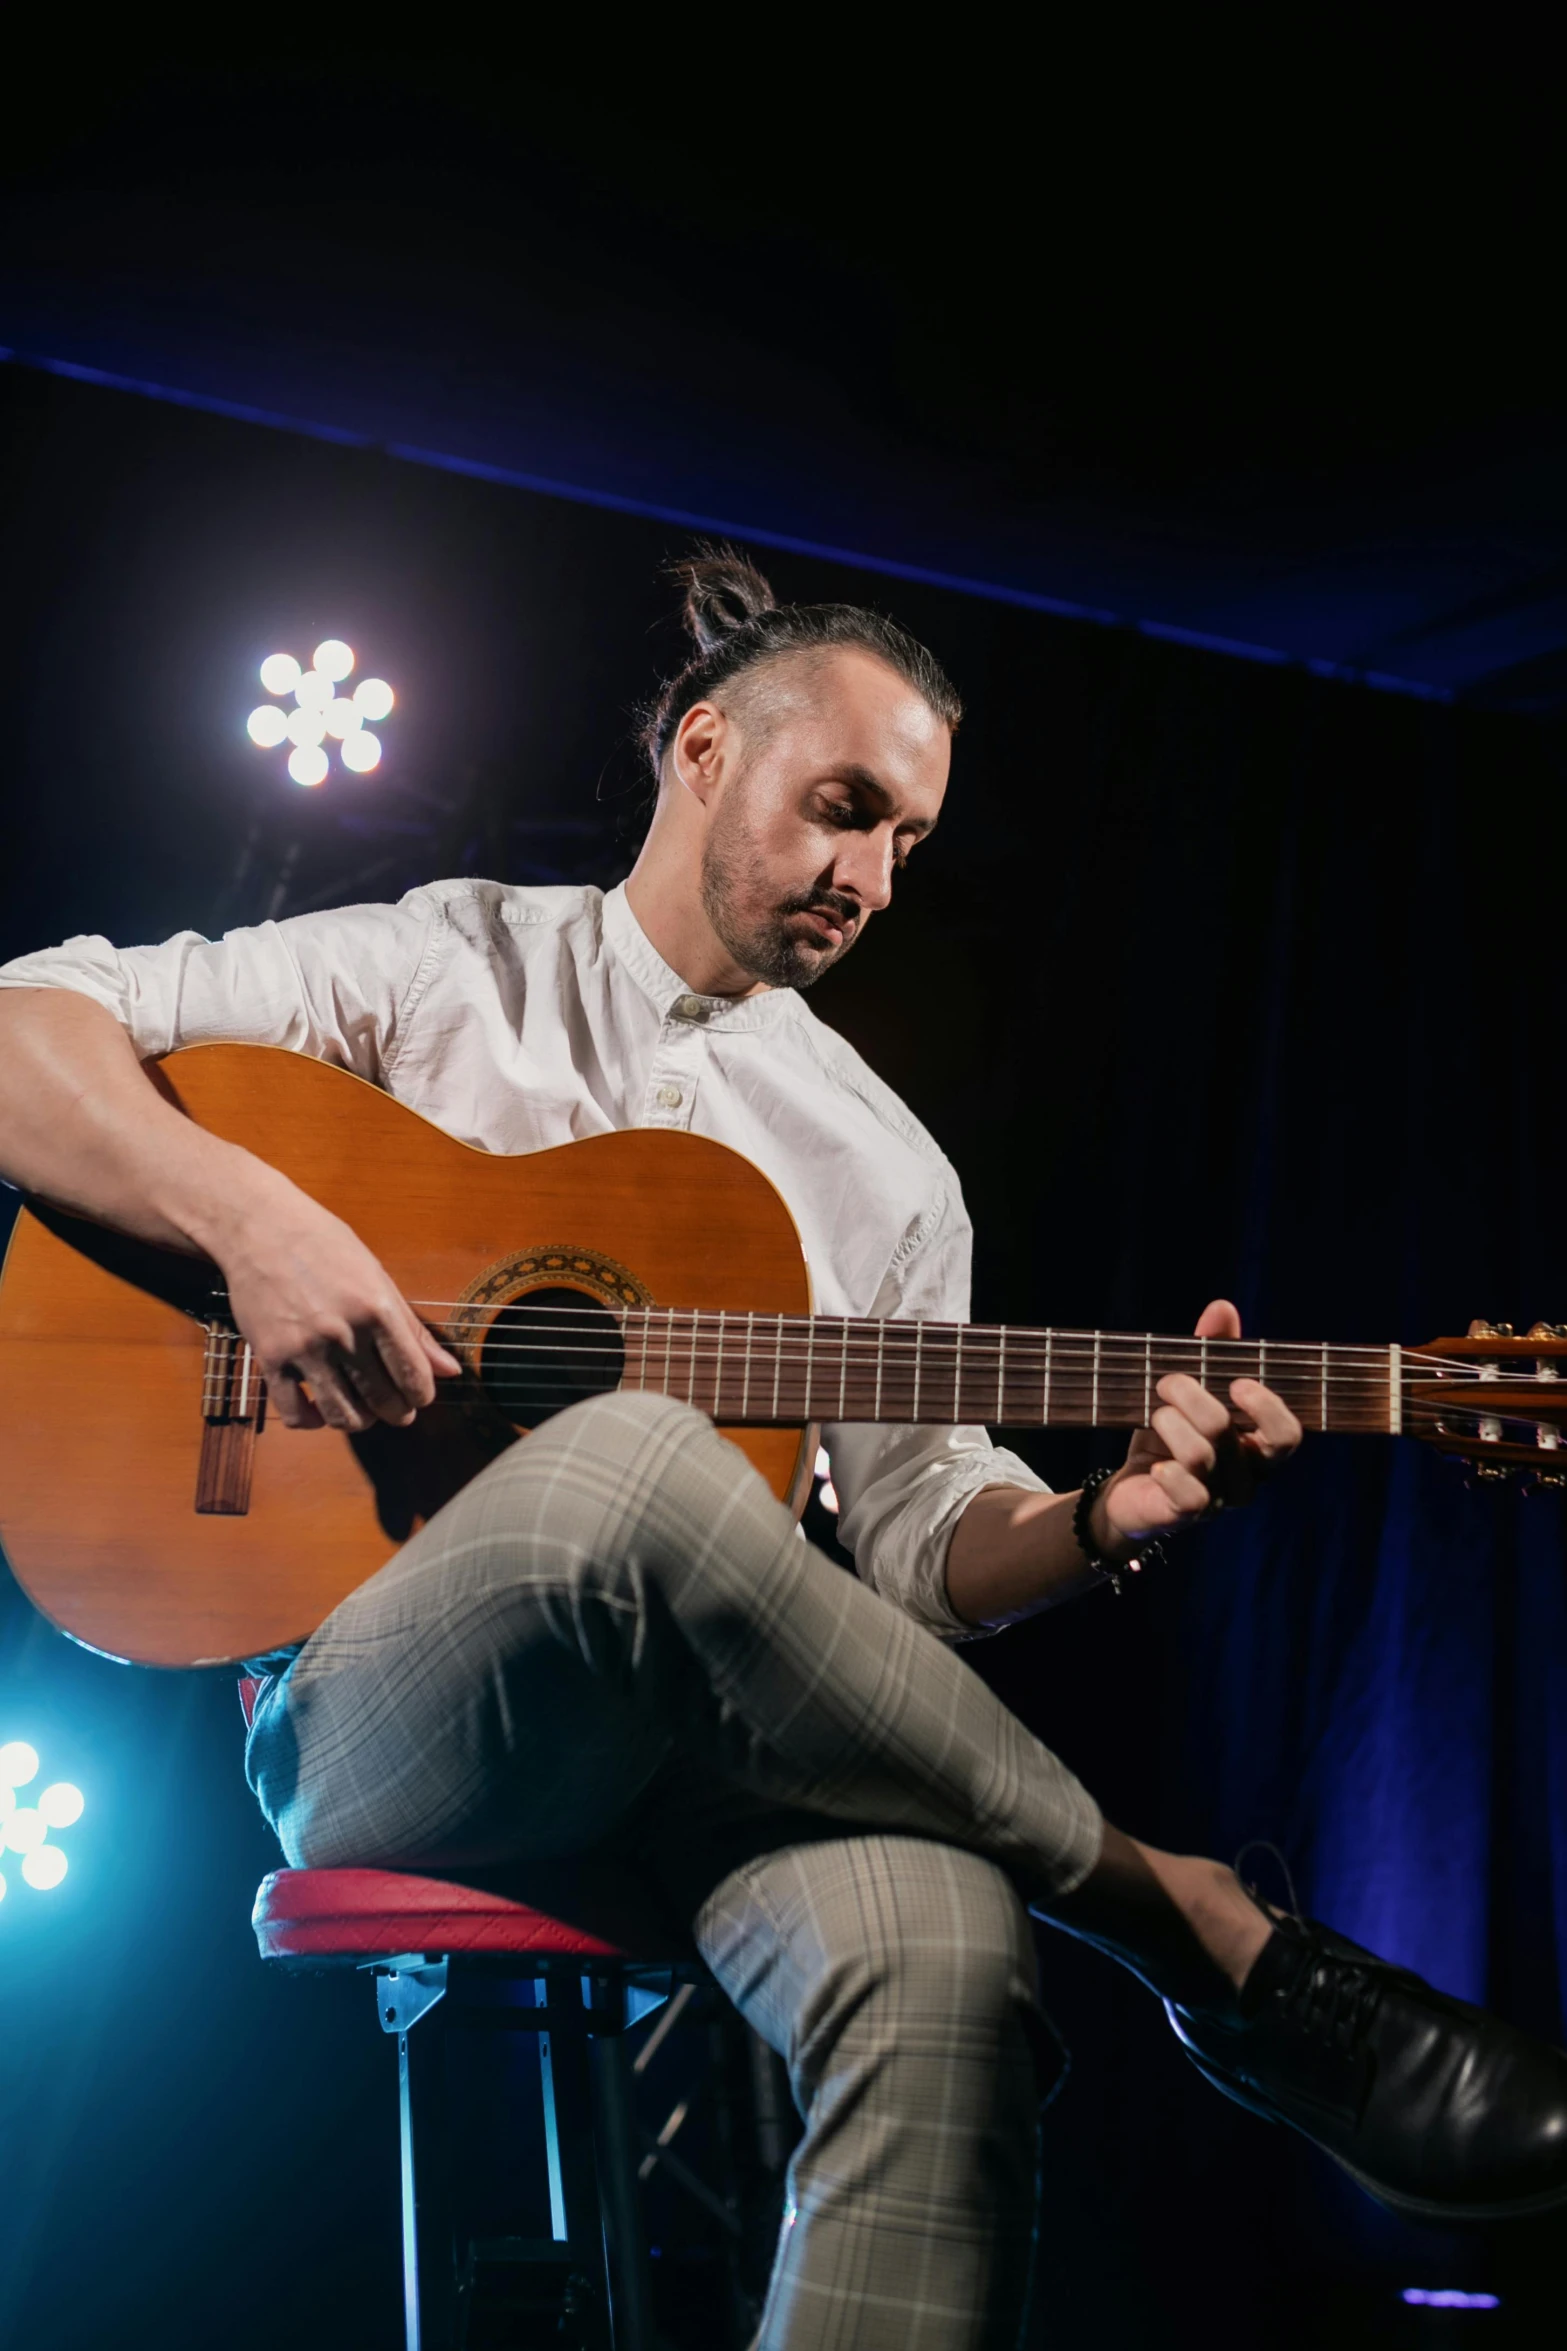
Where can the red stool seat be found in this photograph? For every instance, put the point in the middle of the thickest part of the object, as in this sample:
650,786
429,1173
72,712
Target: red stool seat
377,1913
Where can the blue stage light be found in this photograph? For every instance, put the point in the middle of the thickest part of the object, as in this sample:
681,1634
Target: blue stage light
1449,2298
25,1828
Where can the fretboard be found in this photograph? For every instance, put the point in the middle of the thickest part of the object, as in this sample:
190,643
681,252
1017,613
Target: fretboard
785,1369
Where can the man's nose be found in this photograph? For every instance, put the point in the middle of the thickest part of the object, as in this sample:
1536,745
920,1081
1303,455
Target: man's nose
863,870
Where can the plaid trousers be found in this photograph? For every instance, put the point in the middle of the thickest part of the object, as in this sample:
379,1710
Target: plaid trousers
615,1641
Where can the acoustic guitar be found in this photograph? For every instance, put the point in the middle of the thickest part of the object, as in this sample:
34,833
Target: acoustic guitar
153,1512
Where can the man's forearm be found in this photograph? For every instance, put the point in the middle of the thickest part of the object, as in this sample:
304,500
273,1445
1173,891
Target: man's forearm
1013,1553
82,1124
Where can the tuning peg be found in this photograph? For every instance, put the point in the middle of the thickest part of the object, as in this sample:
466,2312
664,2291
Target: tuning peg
1490,1330
1546,1330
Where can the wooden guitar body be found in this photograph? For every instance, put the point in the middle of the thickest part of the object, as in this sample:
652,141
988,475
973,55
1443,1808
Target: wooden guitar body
105,1356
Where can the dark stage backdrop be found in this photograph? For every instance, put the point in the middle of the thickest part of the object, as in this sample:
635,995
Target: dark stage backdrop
1218,979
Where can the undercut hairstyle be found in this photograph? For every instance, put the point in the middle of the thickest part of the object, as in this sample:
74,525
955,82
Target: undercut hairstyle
737,625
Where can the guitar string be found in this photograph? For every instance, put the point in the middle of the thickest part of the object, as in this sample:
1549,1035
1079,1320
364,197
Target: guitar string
1422,1419
767,1334
1418,1414
867,1350
977,1371
735,1329
736,1316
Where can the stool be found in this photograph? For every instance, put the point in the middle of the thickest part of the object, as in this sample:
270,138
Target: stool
435,1950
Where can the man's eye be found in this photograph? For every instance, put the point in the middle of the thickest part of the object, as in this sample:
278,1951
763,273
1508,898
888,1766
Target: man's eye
840,812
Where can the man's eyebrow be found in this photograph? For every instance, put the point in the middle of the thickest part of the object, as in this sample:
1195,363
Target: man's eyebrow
864,780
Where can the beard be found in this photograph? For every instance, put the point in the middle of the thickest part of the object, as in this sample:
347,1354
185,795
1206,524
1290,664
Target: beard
758,934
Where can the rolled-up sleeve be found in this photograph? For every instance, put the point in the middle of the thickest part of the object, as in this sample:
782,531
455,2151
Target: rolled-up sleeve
335,985
902,1489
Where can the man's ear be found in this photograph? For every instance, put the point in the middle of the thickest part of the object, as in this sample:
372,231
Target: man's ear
696,753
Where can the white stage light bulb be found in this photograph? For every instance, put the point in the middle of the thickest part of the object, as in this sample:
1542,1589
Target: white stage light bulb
305,726
18,1763
374,698
309,764
26,1829
44,1868
2,1885
342,717
362,752
7,1801
62,1805
280,673
313,691
333,658
267,726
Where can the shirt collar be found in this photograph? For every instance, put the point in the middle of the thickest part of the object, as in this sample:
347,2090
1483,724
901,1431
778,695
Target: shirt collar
665,988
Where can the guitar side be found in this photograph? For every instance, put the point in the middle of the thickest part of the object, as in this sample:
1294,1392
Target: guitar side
101,1421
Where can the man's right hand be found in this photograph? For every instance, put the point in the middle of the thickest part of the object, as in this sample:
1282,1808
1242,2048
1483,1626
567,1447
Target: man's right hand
338,1343
82,1125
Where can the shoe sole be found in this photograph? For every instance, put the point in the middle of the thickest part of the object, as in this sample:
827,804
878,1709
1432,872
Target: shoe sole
1392,2199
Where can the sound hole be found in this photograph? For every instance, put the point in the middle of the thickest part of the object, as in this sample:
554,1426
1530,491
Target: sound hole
550,1349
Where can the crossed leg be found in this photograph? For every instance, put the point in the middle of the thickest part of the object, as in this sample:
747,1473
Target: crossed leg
621,1588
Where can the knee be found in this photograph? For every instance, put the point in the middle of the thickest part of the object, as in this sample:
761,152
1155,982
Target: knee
930,1943
606,1444
601,1479
623,1420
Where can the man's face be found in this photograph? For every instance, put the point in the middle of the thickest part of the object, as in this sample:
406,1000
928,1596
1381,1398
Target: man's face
839,769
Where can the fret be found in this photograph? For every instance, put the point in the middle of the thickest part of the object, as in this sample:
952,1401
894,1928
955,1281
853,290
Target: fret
889,1371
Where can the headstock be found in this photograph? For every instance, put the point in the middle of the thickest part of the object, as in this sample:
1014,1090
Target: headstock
1494,1398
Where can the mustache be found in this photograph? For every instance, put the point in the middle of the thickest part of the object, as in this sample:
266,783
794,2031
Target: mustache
843,911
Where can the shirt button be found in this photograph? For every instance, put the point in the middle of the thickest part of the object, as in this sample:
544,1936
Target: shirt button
669,1097
689,1008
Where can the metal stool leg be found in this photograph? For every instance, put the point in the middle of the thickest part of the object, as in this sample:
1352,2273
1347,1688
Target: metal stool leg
618,2151
405,1996
574,2201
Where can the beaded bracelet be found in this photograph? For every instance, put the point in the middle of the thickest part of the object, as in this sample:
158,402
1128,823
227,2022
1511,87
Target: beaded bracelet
1149,1556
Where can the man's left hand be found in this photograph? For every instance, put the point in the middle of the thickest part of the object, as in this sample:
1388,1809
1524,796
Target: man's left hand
1194,1458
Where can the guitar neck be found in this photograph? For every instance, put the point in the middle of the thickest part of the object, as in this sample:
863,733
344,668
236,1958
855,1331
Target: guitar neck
762,1369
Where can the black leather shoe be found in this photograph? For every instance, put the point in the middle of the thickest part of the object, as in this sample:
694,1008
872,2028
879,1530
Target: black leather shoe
1435,2108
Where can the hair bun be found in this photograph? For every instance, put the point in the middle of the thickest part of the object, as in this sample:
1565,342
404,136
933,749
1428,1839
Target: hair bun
723,592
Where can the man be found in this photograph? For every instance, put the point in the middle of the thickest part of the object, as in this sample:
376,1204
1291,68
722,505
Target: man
614,1639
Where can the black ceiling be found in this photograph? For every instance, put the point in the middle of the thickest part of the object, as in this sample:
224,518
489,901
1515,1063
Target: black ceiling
1256,347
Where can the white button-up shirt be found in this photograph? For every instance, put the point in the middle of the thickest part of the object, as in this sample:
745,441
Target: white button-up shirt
521,1018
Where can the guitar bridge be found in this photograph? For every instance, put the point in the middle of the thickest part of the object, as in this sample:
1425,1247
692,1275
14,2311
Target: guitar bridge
233,1412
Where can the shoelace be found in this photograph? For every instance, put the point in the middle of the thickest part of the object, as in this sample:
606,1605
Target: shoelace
1335,1998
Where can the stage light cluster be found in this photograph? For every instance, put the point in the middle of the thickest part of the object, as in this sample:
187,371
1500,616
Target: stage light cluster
321,715
25,1821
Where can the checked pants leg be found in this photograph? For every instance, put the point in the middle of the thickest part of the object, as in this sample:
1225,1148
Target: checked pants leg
619,1589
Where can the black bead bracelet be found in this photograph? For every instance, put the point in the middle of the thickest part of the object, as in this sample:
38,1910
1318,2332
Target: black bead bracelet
1150,1555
